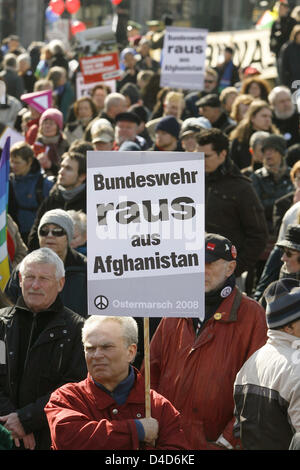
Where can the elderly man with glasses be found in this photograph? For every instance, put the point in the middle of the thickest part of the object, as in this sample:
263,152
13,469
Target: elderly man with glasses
56,231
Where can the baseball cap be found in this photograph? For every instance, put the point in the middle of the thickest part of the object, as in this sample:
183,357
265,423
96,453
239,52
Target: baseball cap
218,247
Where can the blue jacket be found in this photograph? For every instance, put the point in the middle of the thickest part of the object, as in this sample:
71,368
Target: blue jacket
29,191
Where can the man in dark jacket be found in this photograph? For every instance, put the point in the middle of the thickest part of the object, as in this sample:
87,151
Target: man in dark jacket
281,28
56,231
167,132
232,208
46,355
210,107
68,193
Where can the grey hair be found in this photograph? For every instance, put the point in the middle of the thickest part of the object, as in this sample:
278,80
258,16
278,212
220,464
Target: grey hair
128,324
257,138
24,58
10,60
275,92
44,256
113,99
79,219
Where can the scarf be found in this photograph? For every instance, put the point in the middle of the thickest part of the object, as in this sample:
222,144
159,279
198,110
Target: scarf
69,194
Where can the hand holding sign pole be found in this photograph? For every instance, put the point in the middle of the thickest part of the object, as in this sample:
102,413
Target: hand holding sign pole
146,237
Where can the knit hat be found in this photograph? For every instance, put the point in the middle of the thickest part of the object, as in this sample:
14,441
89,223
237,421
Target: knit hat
282,299
61,218
55,115
276,142
292,238
218,247
170,125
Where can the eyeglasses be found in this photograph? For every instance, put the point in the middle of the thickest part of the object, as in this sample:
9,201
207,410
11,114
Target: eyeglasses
56,232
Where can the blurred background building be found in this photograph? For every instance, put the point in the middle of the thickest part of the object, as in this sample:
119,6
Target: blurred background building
26,18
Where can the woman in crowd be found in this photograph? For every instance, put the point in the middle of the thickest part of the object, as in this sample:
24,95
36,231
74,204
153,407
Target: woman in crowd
51,143
85,111
257,118
28,186
256,87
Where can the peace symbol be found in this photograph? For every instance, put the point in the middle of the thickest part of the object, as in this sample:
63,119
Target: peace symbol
101,302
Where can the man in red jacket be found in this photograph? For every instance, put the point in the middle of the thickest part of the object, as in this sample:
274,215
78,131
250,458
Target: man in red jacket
194,363
106,411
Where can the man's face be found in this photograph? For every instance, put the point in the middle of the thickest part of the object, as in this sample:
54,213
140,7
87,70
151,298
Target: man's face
49,239
125,130
212,159
107,356
272,158
210,113
217,272
40,286
283,105
189,143
164,140
68,174
291,261
210,83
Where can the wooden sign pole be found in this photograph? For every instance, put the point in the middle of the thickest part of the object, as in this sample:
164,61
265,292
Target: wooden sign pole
147,368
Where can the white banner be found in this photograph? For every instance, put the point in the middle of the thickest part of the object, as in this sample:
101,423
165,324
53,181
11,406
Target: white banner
183,58
145,234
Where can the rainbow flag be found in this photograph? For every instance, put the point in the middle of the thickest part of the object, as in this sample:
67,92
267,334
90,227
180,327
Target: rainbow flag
4,174
267,19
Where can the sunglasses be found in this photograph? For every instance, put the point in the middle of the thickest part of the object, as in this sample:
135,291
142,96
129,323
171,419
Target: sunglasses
56,232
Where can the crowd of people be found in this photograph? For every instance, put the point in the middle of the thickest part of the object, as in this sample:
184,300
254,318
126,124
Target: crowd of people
69,380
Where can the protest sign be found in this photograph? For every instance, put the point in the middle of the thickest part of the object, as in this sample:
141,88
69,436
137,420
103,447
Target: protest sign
145,233
84,89
98,54
100,68
183,58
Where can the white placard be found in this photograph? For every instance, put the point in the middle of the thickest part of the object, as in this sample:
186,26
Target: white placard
145,233
183,58
83,89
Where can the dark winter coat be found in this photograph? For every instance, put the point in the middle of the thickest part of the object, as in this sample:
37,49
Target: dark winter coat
232,209
31,371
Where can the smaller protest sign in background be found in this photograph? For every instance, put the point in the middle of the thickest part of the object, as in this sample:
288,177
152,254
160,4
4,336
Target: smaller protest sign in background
145,234
183,58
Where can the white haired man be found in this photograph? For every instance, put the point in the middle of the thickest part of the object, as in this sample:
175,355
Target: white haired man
106,411
40,349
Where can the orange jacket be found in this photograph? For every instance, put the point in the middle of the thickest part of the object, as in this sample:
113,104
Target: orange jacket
197,373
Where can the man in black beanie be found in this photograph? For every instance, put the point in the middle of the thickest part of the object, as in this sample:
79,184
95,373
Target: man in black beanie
167,135
267,388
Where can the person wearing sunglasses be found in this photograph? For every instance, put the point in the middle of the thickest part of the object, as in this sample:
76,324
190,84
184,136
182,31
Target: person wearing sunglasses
291,252
56,231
